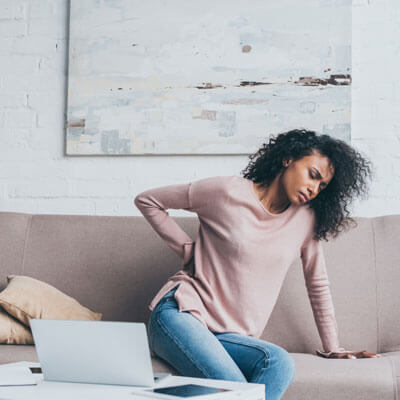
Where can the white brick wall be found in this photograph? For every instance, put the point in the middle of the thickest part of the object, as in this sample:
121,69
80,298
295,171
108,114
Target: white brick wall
36,176
376,100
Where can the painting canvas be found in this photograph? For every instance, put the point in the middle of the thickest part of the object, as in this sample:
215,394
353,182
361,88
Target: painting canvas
209,77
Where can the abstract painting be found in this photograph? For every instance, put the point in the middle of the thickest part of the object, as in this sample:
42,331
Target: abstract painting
209,77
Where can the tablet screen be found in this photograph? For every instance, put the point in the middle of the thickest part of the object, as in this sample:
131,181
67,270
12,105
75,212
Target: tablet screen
188,390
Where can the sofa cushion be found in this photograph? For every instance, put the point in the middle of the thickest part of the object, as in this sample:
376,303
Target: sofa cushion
322,378
327,379
12,331
394,358
25,298
10,353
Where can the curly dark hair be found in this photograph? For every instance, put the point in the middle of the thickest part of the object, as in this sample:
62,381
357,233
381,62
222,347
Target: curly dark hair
351,172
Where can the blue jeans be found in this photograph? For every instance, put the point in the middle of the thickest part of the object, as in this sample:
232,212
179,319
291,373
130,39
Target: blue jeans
193,350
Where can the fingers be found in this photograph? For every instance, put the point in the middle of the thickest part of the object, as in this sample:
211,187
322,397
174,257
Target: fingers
367,354
354,355
345,355
349,355
333,354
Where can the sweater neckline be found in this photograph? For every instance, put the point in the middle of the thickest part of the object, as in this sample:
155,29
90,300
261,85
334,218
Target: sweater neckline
262,205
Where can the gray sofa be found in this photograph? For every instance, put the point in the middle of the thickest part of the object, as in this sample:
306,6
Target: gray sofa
115,265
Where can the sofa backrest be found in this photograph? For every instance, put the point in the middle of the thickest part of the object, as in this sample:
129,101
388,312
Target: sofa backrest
115,265
363,266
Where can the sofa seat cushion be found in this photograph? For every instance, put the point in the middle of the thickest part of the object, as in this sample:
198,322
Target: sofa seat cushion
359,379
327,379
10,353
394,358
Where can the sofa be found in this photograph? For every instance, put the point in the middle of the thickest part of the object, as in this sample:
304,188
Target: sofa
115,265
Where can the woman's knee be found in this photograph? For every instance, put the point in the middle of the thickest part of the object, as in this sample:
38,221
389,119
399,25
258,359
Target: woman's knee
277,362
291,367
285,364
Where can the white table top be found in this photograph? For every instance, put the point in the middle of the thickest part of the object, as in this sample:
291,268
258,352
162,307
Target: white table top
76,391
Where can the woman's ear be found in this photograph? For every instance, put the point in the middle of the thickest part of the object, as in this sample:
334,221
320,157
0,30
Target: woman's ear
286,162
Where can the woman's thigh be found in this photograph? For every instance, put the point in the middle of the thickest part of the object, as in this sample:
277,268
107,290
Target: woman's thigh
260,362
184,342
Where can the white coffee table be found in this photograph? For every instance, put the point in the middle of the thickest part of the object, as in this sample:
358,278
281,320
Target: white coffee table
45,390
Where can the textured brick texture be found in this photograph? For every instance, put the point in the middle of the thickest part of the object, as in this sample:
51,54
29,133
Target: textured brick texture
36,176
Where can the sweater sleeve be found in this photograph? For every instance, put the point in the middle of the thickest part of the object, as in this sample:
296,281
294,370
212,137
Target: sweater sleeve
318,289
153,204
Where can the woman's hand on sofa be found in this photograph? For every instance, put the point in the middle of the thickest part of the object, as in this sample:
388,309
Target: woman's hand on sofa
347,354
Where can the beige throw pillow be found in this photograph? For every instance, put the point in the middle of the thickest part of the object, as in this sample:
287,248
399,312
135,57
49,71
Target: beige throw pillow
25,298
12,331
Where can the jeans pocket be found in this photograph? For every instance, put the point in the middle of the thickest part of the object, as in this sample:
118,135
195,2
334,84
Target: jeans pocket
167,298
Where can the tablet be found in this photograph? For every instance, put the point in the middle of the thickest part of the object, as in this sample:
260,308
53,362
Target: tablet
182,391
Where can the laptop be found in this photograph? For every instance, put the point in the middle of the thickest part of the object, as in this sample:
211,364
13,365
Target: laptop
100,352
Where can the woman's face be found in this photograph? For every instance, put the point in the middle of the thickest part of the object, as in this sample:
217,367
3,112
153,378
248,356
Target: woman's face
303,180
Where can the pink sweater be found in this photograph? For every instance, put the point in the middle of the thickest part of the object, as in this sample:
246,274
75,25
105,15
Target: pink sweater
232,274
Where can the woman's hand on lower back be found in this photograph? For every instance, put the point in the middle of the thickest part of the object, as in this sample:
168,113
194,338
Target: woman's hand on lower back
347,354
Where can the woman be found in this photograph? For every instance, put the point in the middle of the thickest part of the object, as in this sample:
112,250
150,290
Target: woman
207,319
